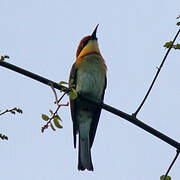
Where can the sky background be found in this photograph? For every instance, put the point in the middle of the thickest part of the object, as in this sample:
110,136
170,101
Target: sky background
42,36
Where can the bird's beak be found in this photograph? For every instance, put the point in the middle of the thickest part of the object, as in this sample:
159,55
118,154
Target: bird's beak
93,35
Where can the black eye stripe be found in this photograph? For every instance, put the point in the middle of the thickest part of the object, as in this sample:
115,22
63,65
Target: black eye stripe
84,43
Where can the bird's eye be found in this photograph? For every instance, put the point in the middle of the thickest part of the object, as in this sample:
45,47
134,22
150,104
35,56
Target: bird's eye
84,43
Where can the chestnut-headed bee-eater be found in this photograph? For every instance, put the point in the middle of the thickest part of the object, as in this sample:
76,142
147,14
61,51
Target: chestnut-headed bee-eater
88,77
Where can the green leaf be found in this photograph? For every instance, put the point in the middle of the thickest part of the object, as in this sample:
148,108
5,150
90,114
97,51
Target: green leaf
52,127
177,46
56,117
168,44
45,117
167,178
178,23
73,94
62,82
57,124
62,89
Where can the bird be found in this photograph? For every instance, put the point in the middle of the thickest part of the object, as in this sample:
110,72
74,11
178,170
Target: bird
88,78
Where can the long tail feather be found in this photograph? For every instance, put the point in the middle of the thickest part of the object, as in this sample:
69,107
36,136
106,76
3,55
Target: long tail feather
85,161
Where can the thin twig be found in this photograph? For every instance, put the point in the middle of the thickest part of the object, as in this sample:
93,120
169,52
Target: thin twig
13,110
158,71
4,112
176,156
54,113
55,95
61,97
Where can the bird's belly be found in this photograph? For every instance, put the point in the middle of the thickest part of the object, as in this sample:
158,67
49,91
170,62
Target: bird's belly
91,83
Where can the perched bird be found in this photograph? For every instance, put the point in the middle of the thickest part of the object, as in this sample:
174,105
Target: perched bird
88,77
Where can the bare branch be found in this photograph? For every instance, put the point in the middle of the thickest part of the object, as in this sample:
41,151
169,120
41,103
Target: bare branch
13,111
158,71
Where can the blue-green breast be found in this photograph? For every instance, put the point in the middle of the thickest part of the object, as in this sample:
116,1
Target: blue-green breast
91,75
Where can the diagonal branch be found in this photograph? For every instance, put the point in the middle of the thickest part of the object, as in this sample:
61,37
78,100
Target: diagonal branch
111,109
158,71
33,76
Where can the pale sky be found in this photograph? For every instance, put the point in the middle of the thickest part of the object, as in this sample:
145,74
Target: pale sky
42,36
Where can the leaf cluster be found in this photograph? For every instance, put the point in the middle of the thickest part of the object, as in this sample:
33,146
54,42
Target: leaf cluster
164,177
12,111
170,44
71,92
56,121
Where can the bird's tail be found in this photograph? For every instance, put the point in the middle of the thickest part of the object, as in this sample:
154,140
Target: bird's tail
84,159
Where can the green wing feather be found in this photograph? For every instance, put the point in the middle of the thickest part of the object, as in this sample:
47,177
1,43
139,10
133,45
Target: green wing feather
72,81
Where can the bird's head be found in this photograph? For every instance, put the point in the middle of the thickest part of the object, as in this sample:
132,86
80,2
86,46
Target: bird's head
88,45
